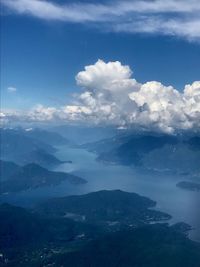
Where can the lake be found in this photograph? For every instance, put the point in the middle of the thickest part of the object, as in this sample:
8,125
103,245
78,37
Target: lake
183,205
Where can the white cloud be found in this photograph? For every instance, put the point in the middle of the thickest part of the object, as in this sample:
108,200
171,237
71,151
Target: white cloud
111,78
41,113
172,17
12,89
111,96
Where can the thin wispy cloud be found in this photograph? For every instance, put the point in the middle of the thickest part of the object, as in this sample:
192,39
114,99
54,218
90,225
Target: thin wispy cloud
178,18
12,89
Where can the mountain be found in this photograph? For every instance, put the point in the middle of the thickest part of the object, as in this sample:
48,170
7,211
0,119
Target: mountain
180,158
40,157
84,134
112,209
189,186
29,239
152,152
7,169
194,143
48,137
18,226
14,141
26,230
149,246
32,176
134,150
106,145
22,149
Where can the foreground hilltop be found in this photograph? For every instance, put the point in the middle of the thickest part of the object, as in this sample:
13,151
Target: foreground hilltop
113,209
104,228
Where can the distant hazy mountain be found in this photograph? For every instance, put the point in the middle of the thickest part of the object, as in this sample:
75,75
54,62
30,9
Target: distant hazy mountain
40,157
31,176
189,186
161,153
7,169
84,134
15,141
22,148
182,157
48,137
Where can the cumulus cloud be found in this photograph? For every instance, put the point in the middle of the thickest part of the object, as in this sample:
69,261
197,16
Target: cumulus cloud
12,89
172,17
105,76
111,96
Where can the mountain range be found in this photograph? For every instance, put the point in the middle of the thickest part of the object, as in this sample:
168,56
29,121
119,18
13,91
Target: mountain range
153,152
15,178
24,146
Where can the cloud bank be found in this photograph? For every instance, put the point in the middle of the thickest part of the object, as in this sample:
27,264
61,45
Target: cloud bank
111,96
178,18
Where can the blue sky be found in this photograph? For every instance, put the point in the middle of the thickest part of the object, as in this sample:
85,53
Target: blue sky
102,62
41,58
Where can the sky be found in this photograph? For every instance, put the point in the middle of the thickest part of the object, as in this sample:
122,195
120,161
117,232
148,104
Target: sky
46,44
